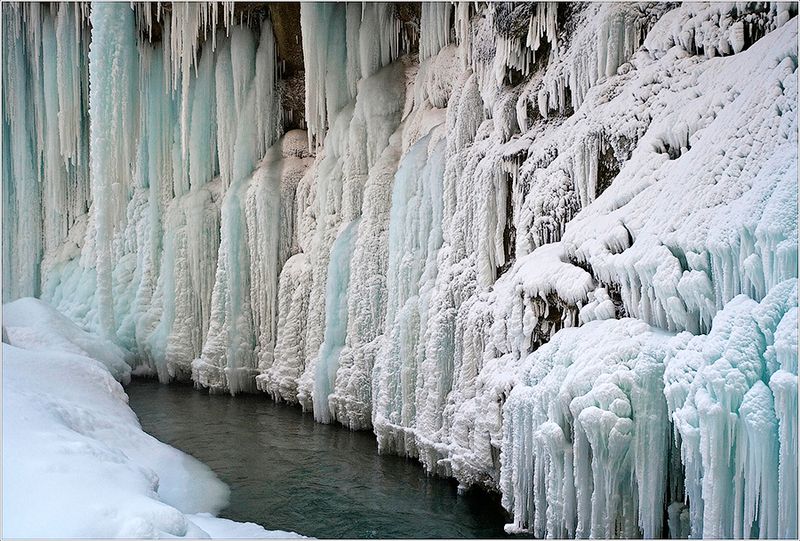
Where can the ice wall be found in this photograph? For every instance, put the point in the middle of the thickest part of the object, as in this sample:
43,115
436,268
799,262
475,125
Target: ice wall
45,132
171,135
336,290
572,277
535,171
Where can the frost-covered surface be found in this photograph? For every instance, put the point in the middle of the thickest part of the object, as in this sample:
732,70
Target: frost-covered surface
76,462
503,254
718,391
603,413
586,434
29,323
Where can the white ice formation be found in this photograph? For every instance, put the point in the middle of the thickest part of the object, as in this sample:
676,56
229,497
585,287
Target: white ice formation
549,249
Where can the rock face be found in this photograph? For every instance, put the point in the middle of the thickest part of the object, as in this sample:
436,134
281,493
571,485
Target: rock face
288,39
549,249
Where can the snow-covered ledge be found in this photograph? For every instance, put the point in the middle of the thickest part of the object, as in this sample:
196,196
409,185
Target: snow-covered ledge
76,462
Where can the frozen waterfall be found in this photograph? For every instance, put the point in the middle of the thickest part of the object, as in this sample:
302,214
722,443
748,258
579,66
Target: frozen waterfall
547,249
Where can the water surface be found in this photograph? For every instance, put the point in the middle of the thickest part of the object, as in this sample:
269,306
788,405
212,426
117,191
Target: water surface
287,472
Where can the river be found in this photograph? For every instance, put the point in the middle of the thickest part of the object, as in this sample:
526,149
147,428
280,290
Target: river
287,472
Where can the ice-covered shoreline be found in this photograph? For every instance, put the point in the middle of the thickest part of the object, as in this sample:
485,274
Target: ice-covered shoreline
76,462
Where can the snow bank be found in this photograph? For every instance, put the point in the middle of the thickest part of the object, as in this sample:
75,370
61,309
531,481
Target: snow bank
33,324
76,462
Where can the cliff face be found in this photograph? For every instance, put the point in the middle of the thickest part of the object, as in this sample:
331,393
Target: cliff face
546,248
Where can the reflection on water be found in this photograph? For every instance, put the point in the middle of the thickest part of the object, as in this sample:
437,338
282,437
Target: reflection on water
287,472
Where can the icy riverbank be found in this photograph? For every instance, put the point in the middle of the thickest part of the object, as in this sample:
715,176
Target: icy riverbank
76,462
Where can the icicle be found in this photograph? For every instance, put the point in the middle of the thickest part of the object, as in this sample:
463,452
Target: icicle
202,147
22,238
226,111
266,89
337,49
434,28
112,109
336,318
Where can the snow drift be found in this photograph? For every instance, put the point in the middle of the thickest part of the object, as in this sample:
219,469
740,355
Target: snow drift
76,462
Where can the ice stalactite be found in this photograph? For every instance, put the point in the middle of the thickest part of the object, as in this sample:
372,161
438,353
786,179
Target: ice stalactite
243,305
270,223
327,180
414,240
266,83
379,37
434,28
783,384
680,281
519,51
113,101
338,281
153,177
264,225
281,350
714,30
21,187
156,210
725,417
581,431
354,144
585,168
325,52
715,395
280,377
494,331
594,52
55,185
72,89
351,400
343,43
46,128
227,361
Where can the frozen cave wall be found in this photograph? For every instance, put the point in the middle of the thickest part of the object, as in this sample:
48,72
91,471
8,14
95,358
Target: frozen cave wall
549,249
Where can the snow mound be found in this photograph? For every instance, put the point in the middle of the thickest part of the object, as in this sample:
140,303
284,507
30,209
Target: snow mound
35,325
222,527
72,445
76,462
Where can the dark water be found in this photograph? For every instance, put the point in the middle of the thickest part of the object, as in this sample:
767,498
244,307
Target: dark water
287,472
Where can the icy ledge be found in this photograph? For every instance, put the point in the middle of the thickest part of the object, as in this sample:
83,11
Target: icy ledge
73,446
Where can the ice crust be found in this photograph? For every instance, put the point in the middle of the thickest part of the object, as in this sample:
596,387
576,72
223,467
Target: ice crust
553,254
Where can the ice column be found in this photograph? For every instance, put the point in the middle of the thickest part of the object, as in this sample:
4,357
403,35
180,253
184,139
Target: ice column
21,188
434,28
113,70
335,319
415,236
244,298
